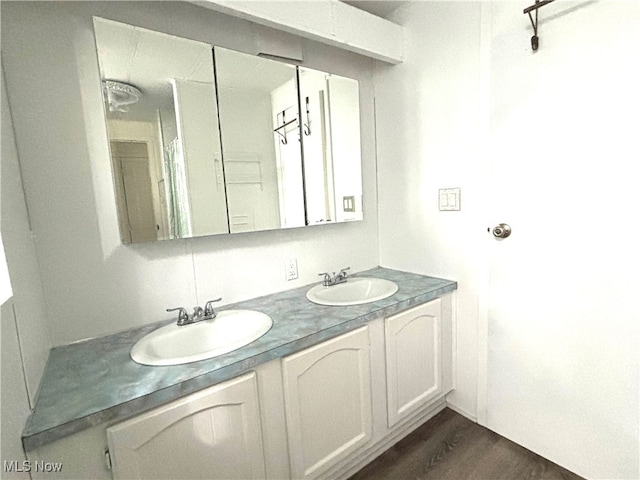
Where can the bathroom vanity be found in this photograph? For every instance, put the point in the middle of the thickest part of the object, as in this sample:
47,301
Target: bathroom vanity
321,394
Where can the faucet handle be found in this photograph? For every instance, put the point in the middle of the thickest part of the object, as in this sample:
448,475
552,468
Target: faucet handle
183,316
208,308
341,276
327,278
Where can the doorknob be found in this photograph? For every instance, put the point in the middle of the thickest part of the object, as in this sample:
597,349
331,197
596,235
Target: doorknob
501,231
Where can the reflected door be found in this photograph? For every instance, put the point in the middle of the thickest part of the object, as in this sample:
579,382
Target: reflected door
291,189
318,159
132,175
258,107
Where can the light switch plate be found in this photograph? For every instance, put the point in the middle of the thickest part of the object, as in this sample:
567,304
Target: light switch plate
449,199
349,204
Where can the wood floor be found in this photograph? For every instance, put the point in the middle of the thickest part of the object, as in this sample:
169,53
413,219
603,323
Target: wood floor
452,447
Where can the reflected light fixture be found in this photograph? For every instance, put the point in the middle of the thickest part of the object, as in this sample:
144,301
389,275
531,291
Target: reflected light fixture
120,95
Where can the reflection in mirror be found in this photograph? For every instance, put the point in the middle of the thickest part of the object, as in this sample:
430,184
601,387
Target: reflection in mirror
331,147
163,129
258,104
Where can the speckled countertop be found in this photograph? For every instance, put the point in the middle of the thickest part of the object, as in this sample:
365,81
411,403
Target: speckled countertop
95,381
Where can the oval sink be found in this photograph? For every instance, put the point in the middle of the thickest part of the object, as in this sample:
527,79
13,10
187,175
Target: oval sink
174,345
354,291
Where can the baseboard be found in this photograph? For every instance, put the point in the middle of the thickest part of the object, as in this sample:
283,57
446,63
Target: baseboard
352,466
462,412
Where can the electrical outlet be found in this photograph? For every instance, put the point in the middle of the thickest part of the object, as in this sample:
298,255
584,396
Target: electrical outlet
291,269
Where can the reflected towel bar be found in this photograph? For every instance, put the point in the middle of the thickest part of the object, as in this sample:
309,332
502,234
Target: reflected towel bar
283,136
285,124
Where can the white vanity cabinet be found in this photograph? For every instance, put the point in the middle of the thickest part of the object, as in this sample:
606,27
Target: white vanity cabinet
213,434
323,412
328,402
413,344
235,429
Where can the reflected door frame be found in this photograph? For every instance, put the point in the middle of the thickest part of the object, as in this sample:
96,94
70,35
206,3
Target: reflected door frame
143,133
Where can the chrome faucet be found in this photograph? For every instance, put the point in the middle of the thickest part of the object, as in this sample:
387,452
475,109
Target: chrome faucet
336,278
199,314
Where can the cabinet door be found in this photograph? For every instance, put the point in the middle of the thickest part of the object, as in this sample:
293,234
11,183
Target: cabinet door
212,434
414,359
328,402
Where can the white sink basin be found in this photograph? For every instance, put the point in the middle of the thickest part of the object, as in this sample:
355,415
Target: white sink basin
354,291
174,345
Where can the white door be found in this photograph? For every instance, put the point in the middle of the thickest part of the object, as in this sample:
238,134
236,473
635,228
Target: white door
134,191
562,349
138,197
212,434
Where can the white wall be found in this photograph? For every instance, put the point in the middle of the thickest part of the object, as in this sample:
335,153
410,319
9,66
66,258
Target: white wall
428,131
14,404
17,236
24,332
92,284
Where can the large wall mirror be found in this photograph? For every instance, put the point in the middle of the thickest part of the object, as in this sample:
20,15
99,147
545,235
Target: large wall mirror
257,145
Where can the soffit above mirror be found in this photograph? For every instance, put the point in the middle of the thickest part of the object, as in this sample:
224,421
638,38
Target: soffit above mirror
379,8
331,22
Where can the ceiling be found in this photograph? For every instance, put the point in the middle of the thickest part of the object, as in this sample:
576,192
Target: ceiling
149,60
380,8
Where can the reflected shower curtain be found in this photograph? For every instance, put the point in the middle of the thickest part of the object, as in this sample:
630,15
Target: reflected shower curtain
176,190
